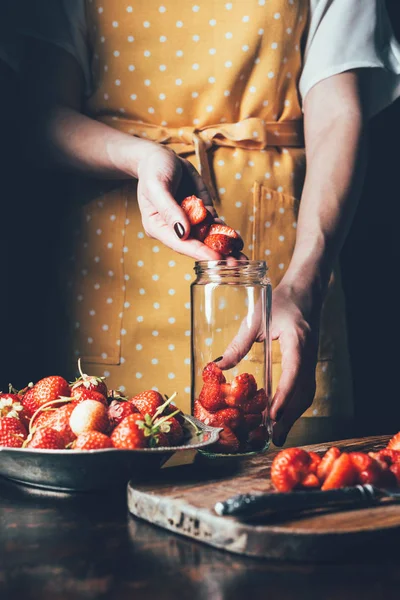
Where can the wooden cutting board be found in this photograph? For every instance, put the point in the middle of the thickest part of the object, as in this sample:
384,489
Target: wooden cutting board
182,499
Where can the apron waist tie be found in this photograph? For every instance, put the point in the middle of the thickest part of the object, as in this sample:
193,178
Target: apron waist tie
249,134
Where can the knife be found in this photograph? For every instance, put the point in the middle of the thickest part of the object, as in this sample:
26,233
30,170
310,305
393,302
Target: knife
249,506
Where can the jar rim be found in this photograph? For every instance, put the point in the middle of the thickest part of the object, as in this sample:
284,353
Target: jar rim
207,264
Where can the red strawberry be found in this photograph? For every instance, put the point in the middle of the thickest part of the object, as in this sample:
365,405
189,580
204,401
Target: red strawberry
89,382
45,390
228,443
87,416
311,481
326,464
256,404
227,417
82,393
213,374
200,231
12,425
159,440
46,438
11,440
147,402
118,410
211,397
202,414
251,422
289,468
258,438
368,469
11,406
223,244
57,419
218,229
342,474
92,440
243,387
394,470
195,210
315,462
394,442
129,434
173,431
389,457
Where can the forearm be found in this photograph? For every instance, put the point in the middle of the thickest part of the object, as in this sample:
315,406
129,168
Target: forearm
335,153
67,139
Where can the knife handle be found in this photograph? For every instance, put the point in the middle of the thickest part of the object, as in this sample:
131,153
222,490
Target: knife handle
254,505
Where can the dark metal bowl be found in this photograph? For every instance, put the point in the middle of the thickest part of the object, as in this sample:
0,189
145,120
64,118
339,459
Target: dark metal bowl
78,470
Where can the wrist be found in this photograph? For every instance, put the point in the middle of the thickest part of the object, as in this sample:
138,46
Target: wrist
127,153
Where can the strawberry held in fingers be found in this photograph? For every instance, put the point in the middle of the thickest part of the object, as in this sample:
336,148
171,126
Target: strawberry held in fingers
223,244
200,231
195,210
219,229
213,374
44,391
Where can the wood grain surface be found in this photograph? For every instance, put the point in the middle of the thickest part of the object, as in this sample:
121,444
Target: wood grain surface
184,503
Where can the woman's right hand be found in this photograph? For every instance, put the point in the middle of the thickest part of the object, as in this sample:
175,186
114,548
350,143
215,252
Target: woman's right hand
164,178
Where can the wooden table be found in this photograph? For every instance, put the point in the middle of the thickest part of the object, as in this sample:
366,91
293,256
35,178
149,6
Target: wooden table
87,546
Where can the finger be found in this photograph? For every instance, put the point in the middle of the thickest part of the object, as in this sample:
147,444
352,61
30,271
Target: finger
189,247
249,332
301,400
291,364
197,185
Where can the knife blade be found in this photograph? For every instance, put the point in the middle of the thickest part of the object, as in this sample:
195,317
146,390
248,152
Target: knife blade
249,506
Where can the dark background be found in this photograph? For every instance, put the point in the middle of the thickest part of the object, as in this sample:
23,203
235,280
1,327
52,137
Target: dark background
32,207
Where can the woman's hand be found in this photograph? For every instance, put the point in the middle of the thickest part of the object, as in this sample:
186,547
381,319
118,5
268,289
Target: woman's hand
165,179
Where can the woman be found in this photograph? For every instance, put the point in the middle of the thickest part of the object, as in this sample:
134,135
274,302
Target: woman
247,94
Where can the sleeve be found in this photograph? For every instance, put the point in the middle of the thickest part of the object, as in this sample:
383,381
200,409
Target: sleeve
62,23
11,43
349,34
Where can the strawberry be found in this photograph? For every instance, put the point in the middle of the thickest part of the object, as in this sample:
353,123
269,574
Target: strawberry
89,382
394,442
258,438
82,393
46,438
200,231
326,464
251,422
87,416
11,440
227,443
12,425
218,229
243,387
311,481
211,397
289,468
195,210
223,244
57,419
256,404
173,430
118,410
147,402
45,390
227,417
342,474
92,440
394,470
202,414
315,462
129,434
160,440
389,457
368,469
213,374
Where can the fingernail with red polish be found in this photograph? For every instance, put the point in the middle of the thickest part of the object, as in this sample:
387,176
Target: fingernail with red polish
280,440
218,359
179,230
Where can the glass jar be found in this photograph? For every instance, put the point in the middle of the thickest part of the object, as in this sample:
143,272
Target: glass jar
231,352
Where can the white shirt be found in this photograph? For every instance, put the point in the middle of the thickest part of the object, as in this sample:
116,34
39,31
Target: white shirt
343,35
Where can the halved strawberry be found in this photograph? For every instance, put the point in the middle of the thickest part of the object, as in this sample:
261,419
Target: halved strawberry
315,462
227,417
212,373
147,402
92,440
386,455
394,442
251,421
327,461
311,481
228,443
223,244
395,471
258,438
46,438
200,231
211,397
243,387
368,469
219,229
256,404
342,474
289,468
202,414
129,434
195,210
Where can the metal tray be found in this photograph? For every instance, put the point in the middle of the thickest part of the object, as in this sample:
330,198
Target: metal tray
77,470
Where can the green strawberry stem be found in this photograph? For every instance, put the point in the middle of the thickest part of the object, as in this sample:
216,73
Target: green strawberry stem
161,408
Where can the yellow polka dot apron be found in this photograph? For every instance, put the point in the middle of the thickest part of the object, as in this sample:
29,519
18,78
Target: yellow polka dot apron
218,83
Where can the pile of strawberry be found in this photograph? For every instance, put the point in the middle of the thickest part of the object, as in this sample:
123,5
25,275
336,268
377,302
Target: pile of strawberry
221,238
294,468
84,415
237,407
